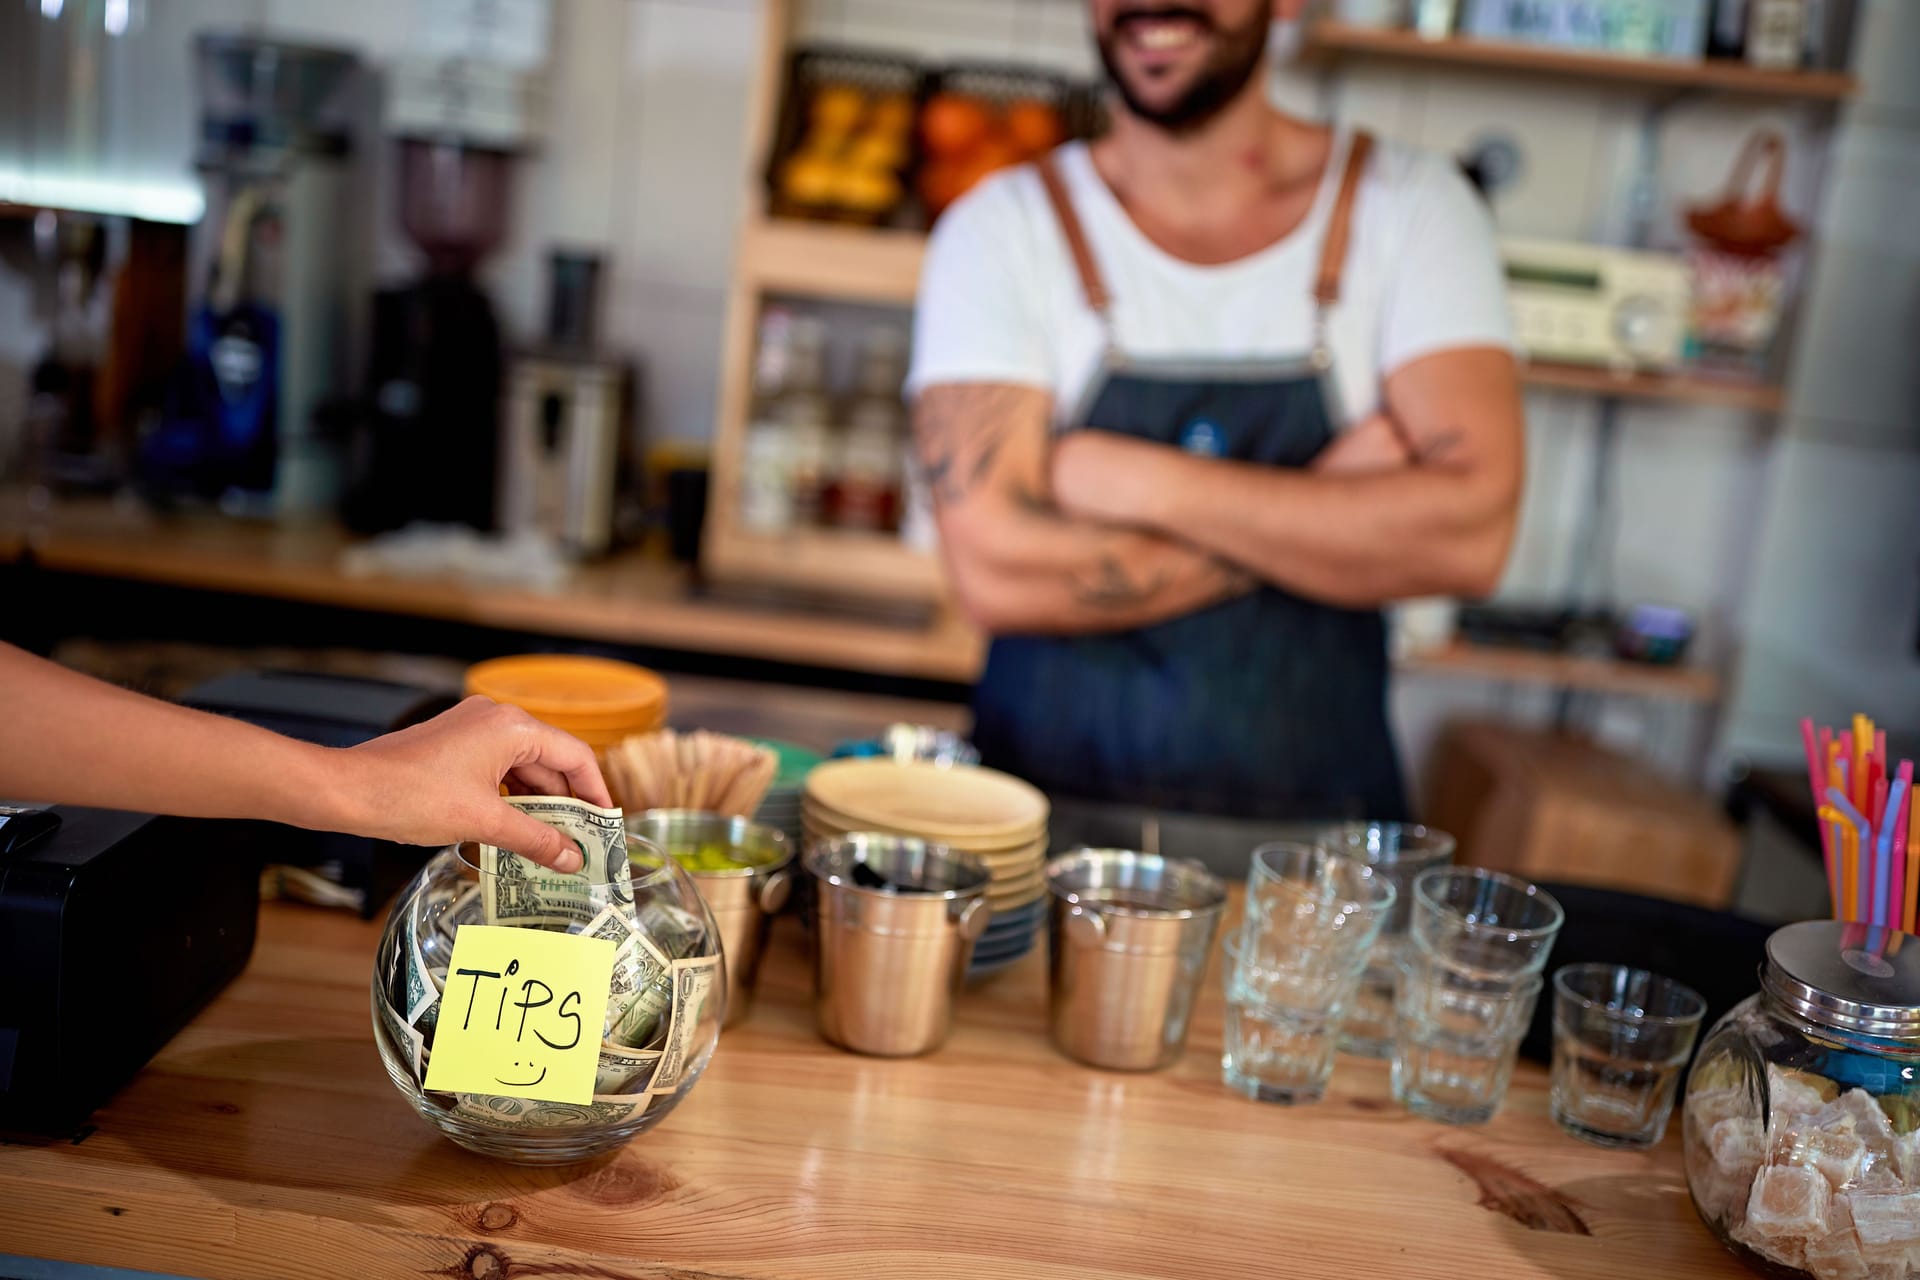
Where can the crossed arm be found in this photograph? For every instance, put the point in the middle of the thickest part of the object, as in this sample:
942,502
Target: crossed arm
1104,532
1019,564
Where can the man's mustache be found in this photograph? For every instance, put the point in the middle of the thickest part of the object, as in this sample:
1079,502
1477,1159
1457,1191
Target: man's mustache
1163,13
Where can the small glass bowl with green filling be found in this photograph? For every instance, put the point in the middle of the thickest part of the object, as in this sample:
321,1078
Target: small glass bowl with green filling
744,873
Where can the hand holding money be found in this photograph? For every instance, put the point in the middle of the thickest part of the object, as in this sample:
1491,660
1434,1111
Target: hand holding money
438,783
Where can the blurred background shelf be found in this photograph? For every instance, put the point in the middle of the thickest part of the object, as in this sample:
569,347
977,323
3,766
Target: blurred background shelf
1329,41
1565,671
1687,388
634,598
820,260
824,260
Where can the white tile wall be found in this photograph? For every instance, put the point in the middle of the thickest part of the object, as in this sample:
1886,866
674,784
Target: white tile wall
1831,621
674,336
1886,55
683,170
1855,367
1832,617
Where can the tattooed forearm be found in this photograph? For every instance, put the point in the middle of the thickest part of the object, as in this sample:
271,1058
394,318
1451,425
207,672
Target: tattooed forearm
1234,581
959,432
1113,586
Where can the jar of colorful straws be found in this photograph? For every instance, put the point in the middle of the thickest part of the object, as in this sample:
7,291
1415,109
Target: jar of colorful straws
1867,833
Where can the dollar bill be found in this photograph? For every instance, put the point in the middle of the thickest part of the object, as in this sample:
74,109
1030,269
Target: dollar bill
406,1042
636,1019
529,1113
694,982
678,932
640,989
517,891
612,925
623,1070
422,996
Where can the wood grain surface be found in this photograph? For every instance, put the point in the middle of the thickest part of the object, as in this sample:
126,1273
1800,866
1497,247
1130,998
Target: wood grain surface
630,598
266,1141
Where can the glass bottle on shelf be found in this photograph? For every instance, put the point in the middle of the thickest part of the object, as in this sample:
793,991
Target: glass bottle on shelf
766,461
865,490
804,410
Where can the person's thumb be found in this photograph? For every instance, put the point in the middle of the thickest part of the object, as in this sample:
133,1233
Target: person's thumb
532,839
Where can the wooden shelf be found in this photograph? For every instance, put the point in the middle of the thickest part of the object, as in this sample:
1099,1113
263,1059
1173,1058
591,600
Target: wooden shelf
1563,671
628,599
1687,388
632,599
1330,41
838,562
827,260
823,260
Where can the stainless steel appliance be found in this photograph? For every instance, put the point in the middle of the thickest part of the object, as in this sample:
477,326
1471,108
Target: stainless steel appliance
560,449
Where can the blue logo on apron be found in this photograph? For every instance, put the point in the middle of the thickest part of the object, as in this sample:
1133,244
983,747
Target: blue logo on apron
1203,438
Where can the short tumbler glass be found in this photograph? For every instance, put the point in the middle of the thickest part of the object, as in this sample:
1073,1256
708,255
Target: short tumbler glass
1293,967
1399,851
1466,990
1621,1038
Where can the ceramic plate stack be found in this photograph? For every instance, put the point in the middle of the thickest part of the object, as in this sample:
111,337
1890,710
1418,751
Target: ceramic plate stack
991,815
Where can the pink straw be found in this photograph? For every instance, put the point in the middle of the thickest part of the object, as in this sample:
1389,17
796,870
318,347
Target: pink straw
1816,768
1903,778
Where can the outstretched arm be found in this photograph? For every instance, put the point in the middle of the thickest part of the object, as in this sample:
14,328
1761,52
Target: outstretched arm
74,740
1017,563
1355,531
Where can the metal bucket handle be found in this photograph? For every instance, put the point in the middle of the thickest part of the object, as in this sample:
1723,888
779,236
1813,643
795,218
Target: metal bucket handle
970,916
775,890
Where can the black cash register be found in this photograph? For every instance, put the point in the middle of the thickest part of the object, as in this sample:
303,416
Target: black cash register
116,928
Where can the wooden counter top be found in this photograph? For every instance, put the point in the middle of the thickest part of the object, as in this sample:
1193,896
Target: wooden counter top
628,599
266,1140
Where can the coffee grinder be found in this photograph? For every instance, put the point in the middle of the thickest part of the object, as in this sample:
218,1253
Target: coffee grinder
266,340
430,427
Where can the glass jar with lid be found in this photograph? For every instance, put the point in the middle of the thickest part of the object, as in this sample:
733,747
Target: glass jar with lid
1802,1117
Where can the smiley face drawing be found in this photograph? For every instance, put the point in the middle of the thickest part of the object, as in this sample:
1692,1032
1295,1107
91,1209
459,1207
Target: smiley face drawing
524,1084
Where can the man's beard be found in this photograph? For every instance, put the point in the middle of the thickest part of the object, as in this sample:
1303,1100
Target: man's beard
1235,59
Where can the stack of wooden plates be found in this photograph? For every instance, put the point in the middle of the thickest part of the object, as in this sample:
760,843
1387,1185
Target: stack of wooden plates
991,815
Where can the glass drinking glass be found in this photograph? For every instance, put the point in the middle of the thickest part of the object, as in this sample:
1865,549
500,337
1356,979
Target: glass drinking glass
1293,967
1621,1038
1466,989
1400,852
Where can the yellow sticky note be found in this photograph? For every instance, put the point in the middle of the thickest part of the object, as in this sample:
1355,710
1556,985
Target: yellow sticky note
521,1014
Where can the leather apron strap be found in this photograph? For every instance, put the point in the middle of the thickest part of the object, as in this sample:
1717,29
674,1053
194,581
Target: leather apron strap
1333,253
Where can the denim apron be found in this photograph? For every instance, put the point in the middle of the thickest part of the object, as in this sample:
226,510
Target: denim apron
1268,706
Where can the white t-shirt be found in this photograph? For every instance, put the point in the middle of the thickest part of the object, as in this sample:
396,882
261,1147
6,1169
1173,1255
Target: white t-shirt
1000,301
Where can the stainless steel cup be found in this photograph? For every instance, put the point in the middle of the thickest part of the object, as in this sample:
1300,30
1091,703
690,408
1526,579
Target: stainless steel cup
1129,937
743,901
888,961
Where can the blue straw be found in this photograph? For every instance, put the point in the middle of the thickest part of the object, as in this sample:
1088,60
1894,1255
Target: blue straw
1882,861
1852,815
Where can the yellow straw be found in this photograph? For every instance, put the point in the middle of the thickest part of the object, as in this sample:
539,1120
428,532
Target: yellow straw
1831,816
1862,745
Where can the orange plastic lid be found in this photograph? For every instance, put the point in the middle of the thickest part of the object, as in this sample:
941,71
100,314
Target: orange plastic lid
573,691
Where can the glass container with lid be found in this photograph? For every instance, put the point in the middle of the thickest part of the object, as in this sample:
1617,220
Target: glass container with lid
1802,1118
